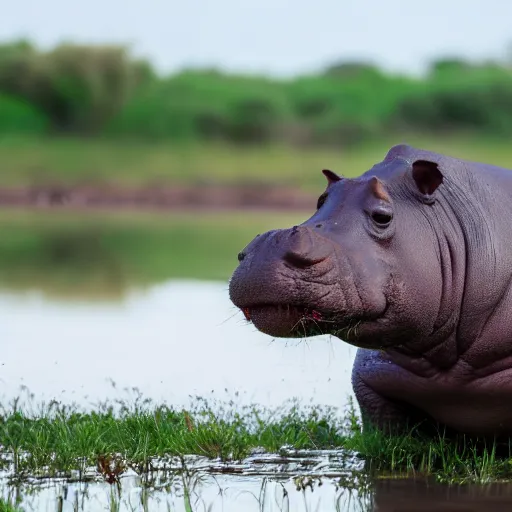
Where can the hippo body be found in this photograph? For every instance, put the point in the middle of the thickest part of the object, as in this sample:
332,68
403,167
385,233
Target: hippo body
412,263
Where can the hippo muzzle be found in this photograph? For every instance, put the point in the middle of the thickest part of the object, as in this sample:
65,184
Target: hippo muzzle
299,282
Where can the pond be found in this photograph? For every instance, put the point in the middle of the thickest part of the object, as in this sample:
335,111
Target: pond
174,340
99,309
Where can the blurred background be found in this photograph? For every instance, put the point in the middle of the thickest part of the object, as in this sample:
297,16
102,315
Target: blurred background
142,145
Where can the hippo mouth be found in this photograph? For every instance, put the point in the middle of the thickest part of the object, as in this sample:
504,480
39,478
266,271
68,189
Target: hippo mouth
288,320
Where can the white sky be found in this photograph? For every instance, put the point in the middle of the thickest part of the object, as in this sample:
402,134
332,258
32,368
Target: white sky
279,37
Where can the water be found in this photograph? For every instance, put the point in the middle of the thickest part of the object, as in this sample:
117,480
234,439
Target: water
219,493
171,341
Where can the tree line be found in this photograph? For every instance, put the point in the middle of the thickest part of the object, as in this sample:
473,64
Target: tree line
104,91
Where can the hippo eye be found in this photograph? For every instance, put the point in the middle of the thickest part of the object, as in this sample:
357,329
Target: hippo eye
321,201
382,218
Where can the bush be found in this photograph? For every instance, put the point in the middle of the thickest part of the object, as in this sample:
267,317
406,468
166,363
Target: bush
346,108
205,105
477,100
79,88
20,117
100,90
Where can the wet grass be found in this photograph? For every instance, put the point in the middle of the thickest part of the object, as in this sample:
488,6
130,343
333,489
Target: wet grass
451,461
5,506
56,440
70,161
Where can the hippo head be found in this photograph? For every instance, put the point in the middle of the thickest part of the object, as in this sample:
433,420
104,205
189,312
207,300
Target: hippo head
356,268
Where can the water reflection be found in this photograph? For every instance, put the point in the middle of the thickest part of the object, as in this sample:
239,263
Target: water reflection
309,480
215,491
206,493
171,341
396,495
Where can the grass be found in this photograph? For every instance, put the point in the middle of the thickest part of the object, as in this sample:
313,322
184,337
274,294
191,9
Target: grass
58,440
27,162
103,254
5,506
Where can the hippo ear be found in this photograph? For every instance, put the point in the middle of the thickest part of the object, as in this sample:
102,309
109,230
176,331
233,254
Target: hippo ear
427,176
331,176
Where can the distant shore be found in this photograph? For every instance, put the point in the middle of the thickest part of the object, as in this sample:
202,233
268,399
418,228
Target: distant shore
180,197
94,174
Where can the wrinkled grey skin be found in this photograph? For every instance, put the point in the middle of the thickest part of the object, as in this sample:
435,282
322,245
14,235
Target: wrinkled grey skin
411,262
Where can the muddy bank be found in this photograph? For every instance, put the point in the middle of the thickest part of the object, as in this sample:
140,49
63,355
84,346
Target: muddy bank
212,197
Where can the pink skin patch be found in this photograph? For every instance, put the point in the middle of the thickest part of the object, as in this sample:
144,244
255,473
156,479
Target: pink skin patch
316,315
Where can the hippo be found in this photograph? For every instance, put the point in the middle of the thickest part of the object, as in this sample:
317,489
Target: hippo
411,262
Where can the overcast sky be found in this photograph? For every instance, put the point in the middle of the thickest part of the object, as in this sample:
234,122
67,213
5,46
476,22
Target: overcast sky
279,37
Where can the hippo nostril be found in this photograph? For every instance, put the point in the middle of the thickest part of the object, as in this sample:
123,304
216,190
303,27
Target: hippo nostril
241,256
318,226
301,260
306,249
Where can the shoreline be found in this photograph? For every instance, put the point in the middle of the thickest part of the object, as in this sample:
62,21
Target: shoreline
170,198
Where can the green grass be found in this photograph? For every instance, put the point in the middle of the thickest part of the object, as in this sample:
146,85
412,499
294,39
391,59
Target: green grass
27,162
5,506
56,440
101,254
